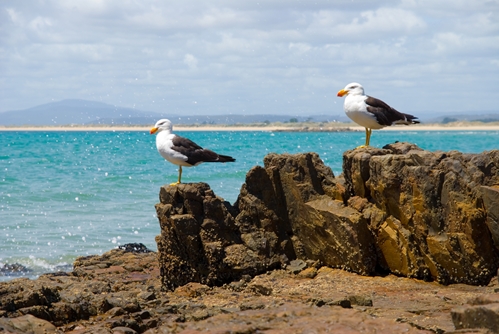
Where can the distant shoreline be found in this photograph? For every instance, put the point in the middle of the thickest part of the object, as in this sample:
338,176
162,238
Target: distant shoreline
299,127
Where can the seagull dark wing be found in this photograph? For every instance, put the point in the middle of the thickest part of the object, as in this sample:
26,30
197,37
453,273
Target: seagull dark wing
386,115
195,154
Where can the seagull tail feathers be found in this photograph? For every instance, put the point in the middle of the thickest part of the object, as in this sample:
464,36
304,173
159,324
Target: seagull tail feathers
225,158
409,119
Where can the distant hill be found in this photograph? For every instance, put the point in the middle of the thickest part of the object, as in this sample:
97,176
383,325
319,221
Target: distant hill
83,112
486,118
73,112
247,119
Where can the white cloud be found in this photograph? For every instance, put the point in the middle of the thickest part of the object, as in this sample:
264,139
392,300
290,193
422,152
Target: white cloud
300,48
14,15
40,23
191,61
245,55
382,23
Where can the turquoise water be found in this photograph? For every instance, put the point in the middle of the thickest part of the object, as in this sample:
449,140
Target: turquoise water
70,194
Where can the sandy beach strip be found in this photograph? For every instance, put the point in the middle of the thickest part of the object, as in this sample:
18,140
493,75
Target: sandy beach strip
461,126
143,128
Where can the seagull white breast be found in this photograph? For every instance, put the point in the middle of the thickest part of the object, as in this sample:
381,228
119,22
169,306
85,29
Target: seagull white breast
164,144
356,109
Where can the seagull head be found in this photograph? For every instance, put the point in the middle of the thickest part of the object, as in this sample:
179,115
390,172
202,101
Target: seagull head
352,89
162,125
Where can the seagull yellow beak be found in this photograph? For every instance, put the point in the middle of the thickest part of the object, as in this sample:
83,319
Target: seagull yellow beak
153,130
342,93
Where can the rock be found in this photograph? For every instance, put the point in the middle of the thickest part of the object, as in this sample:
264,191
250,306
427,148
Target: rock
481,316
200,241
98,284
400,209
123,330
27,324
298,319
480,312
135,248
336,235
14,269
277,300
437,208
290,208
490,197
295,266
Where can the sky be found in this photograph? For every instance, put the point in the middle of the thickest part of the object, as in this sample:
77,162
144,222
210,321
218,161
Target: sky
250,57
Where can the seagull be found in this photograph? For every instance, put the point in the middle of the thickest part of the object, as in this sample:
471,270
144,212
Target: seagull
181,151
370,112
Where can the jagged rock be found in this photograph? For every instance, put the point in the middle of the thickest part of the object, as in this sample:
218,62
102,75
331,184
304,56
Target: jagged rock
290,208
490,197
400,209
438,208
200,241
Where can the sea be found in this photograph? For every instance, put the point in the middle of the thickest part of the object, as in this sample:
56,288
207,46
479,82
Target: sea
65,194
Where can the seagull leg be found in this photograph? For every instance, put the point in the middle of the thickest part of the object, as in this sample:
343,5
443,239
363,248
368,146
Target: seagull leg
179,176
368,136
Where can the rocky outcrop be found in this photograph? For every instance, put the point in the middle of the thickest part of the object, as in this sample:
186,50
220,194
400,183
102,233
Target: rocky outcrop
293,207
438,218
400,209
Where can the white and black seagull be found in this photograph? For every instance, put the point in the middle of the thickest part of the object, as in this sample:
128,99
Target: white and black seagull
370,112
181,151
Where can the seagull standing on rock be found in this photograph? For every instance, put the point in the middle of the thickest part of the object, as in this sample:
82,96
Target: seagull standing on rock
370,112
181,151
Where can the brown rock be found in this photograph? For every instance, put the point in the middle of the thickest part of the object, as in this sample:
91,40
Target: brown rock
200,241
27,324
291,208
480,316
435,224
336,235
277,300
298,319
428,215
490,197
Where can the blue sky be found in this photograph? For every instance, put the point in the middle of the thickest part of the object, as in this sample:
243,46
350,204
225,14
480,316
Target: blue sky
249,57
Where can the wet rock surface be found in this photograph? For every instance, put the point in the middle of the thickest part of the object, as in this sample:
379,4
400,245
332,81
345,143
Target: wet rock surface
300,251
14,269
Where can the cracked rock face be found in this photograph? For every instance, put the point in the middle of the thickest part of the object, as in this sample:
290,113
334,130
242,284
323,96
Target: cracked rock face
440,221
400,209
